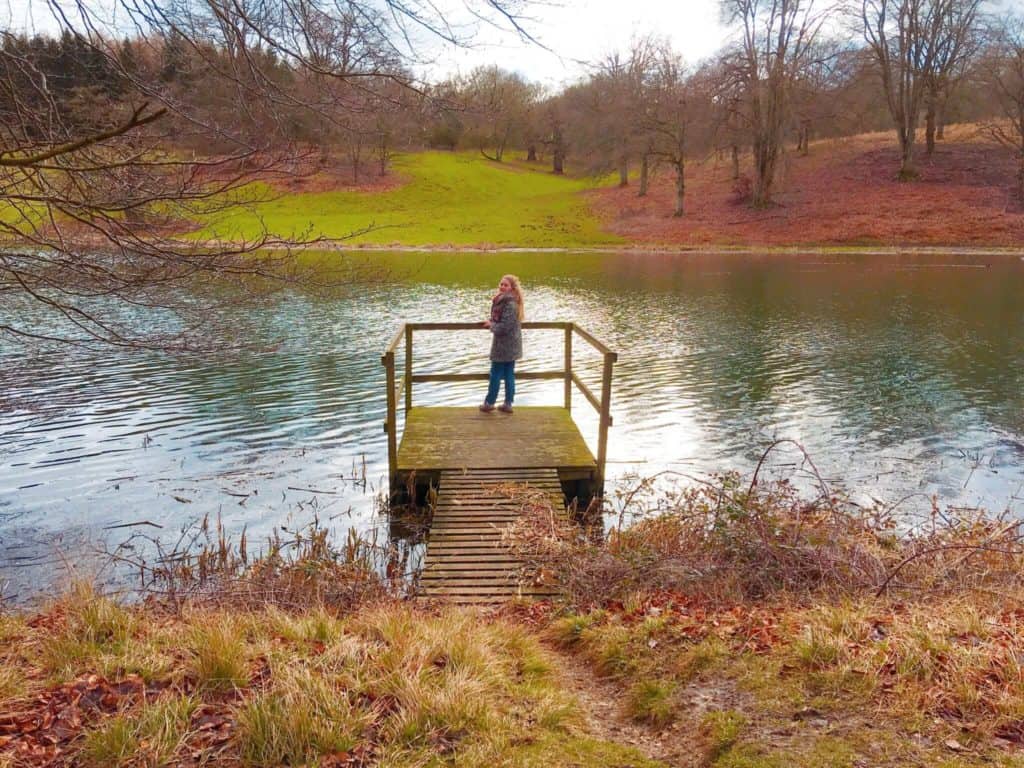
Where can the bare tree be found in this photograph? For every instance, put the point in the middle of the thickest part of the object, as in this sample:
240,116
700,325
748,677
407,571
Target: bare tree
667,120
815,91
98,183
1002,70
555,138
917,45
500,107
956,48
776,43
727,110
621,88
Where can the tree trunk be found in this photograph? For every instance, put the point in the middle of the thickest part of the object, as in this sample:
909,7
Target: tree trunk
623,171
1020,176
768,118
940,120
907,169
383,154
929,128
644,173
765,160
531,153
680,187
735,162
557,151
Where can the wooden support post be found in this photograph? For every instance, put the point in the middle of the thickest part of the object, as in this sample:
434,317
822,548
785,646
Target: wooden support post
606,417
568,367
391,425
408,368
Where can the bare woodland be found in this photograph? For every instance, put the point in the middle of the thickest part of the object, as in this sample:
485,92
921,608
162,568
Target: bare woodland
111,142
108,144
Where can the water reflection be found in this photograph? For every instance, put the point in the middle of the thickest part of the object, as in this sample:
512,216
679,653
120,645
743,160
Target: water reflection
898,374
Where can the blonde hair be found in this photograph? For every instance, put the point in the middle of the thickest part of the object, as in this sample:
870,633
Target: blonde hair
517,291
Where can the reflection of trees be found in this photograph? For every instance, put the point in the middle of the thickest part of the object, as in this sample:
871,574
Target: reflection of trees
888,346
888,349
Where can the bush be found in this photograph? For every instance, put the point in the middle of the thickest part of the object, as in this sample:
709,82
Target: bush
729,540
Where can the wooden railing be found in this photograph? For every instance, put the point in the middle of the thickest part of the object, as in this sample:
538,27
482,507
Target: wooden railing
601,404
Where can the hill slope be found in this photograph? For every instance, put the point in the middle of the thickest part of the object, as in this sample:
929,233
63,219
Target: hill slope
844,193
457,199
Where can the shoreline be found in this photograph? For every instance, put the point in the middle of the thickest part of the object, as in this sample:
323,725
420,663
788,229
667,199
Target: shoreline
671,250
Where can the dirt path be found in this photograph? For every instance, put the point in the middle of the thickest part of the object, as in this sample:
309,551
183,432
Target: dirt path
601,702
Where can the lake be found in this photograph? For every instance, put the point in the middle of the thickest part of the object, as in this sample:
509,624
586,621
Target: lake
902,377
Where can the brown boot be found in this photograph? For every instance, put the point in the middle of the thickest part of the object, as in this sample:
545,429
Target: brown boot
486,407
505,407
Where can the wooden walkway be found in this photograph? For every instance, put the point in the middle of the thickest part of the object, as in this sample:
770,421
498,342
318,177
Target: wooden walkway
465,454
468,560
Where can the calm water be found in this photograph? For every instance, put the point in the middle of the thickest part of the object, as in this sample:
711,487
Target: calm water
900,376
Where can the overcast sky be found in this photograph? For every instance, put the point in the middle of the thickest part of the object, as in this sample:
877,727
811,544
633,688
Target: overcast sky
577,31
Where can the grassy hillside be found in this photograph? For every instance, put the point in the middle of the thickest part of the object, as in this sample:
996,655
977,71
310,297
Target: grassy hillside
844,193
447,199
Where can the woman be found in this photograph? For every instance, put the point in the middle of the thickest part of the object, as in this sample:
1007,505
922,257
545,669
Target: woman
505,323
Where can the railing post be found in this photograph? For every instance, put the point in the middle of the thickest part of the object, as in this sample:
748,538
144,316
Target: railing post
391,425
408,368
606,413
568,366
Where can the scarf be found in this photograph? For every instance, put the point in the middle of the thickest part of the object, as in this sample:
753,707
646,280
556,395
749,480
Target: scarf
496,303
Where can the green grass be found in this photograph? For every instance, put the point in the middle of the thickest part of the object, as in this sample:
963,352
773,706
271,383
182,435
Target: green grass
219,655
448,199
720,730
154,734
650,701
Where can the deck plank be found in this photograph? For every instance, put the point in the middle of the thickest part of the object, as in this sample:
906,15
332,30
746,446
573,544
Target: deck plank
467,559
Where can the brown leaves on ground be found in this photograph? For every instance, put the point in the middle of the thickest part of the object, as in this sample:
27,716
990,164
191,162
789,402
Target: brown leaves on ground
40,732
845,192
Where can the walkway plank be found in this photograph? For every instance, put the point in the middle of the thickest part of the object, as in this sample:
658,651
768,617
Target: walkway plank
467,560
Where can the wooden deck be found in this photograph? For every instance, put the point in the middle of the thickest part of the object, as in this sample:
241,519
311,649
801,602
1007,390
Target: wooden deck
468,560
532,437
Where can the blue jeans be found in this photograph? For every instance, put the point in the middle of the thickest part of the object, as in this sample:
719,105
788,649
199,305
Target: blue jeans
502,372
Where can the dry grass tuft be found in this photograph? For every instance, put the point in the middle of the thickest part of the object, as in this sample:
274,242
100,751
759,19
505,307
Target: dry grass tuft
219,653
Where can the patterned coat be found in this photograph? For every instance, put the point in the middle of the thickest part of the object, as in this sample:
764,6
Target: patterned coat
507,344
